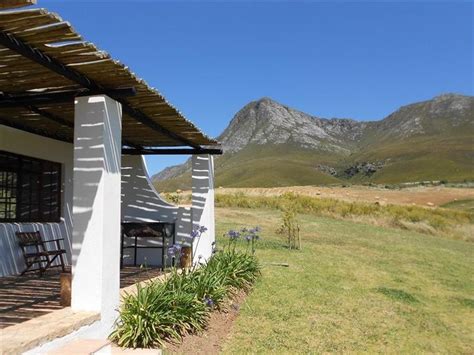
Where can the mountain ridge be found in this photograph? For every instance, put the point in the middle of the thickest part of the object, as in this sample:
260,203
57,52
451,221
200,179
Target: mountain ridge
304,142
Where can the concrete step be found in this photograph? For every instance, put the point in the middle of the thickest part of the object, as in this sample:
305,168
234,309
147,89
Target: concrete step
27,335
99,347
81,347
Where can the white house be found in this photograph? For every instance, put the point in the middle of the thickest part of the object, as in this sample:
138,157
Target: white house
74,126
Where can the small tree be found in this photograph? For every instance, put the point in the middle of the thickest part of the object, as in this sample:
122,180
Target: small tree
174,197
290,228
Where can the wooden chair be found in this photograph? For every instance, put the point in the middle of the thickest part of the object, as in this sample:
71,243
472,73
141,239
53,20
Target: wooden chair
39,255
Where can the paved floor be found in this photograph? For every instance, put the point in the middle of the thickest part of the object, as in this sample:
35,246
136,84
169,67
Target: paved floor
25,297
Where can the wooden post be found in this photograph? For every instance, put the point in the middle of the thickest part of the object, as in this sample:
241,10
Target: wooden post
65,280
299,238
289,237
186,257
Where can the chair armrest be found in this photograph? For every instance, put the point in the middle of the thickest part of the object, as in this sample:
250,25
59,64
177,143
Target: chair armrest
56,241
28,244
53,240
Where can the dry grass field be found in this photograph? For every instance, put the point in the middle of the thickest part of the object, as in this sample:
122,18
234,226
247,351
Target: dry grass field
434,210
420,196
427,196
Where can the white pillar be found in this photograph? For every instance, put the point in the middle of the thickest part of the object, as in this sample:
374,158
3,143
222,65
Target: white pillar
203,204
96,205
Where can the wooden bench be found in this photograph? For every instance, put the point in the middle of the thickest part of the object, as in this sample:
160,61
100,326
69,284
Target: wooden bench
40,254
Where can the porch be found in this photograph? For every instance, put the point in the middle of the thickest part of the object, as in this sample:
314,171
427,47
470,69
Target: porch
74,127
25,297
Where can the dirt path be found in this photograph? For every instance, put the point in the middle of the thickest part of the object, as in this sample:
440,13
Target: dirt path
211,340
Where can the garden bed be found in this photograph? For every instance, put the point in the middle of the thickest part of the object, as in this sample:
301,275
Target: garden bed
183,303
211,340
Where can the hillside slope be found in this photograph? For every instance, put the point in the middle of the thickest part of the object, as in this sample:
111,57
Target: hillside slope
269,144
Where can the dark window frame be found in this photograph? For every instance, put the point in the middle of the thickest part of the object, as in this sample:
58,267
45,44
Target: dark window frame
41,200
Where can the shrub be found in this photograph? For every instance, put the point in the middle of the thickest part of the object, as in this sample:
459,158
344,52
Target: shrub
174,197
159,311
181,303
290,228
241,270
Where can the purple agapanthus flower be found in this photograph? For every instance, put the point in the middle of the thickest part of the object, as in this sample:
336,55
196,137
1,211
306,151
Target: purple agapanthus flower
196,233
208,302
255,230
233,234
175,250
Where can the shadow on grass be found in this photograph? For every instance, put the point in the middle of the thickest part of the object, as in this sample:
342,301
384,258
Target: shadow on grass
397,295
272,244
468,302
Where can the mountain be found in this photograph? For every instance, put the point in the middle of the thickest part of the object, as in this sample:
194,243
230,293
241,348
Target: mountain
268,122
270,144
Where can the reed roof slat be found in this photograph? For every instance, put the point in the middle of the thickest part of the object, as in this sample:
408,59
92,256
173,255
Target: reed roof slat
7,4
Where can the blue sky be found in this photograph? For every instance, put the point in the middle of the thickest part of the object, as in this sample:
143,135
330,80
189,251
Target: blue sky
332,59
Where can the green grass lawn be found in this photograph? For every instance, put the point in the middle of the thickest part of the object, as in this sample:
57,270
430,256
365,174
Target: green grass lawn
354,287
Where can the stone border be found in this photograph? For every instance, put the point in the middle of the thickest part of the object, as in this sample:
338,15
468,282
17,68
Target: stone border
24,336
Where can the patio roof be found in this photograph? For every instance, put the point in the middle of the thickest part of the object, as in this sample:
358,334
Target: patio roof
8,4
45,63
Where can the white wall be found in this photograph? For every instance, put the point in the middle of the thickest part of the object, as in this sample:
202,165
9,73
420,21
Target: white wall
20,142
140,201
96,206
203,205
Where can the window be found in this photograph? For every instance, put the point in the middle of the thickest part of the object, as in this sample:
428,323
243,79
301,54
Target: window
30,189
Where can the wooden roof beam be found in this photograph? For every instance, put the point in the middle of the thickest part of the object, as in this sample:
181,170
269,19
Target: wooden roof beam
69,124
50,116
10,41
63,122
126,151
15,100
172,151
37,131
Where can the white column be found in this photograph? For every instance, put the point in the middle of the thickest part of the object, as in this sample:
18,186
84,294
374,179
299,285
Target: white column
203,204
96,205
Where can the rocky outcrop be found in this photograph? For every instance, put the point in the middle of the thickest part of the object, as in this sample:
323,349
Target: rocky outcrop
172,171
433,117
326,169
365,168
268,122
